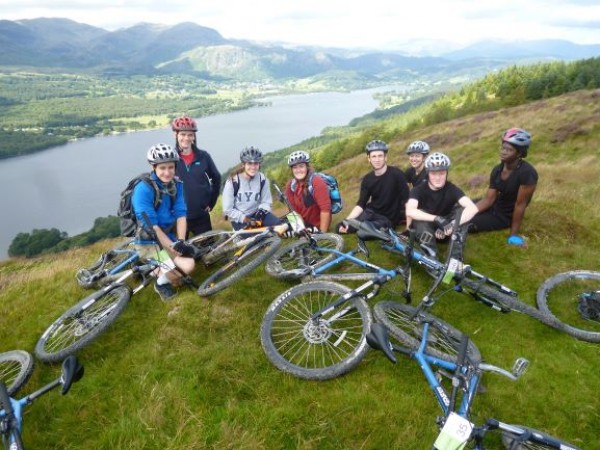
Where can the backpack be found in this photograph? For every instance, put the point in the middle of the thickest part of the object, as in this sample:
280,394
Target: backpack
236,183
125,212
334,190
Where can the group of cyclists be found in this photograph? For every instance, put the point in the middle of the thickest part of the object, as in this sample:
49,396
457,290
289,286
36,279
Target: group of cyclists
421,197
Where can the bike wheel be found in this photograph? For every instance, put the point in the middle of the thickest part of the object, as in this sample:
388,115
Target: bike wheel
16,367
513,303
236,266
297,259
206,242
535,440
443,340
321,348
558,297
81,324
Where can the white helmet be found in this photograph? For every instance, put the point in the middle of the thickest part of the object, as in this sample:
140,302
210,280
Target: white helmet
298,157
437,161
418,147
162,153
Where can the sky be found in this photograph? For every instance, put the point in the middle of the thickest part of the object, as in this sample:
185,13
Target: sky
371,24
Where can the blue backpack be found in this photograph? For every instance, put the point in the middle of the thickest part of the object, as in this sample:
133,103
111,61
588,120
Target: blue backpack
334,189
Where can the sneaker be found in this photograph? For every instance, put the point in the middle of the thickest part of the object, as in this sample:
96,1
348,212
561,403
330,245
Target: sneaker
165,291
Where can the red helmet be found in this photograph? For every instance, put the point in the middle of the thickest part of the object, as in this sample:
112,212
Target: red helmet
184,123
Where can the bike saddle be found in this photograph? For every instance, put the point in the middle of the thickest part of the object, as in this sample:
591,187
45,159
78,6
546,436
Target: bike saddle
367,231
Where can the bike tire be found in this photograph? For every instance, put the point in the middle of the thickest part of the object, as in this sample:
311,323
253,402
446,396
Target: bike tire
515,304
297,259
11,434
234,268
81,324
16,367
538,440
558,297
443,341
315,351
207,241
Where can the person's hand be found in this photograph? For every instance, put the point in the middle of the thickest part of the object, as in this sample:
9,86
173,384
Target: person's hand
313,230
260,214
444,227
515,239
343,228
183,248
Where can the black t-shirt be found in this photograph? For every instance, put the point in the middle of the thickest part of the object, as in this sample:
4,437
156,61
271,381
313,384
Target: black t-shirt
413,178
524,174
385,194
440,202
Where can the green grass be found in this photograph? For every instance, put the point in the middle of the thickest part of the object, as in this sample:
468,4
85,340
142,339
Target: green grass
191,374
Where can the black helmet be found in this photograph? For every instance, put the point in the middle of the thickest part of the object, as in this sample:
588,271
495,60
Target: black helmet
518,138
376,146
421,147
251,154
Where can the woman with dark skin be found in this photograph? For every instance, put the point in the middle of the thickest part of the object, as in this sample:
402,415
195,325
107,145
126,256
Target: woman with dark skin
512,184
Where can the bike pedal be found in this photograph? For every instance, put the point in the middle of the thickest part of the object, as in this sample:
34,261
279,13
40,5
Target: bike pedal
520,367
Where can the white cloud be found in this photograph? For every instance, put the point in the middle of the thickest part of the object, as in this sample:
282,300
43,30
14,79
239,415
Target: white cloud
374,23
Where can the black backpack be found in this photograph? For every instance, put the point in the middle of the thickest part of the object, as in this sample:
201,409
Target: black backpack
125,212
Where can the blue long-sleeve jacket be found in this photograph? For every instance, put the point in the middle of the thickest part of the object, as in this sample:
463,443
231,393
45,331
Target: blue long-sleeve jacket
167,212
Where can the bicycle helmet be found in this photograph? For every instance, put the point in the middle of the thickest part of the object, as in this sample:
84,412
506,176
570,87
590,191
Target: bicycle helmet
184,123
519,138
251,154
436,162
376,146
418,147
162,153
298,157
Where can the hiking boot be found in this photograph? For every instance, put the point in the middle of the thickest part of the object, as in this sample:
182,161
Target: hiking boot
165,291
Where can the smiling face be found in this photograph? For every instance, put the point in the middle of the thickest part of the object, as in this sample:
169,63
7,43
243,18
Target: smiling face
416,160
185,139
251,168
299,171
165,171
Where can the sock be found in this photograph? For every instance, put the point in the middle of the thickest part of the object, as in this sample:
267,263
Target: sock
163,279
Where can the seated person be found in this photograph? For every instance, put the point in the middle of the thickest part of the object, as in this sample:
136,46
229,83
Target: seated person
431,205
512,184
383,192
417,151
168,220
314,204
246,195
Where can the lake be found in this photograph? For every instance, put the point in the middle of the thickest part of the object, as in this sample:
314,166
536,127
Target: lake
69,186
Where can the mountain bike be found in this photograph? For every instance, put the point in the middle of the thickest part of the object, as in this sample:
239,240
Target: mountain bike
309,252
413,330
573,298
11,412
234,254
461,277
317,330
16,367
119,274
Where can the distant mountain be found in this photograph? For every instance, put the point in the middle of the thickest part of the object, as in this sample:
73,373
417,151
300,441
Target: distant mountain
540,49
190,48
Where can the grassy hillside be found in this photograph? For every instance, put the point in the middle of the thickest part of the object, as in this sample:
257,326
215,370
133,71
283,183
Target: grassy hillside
191,374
